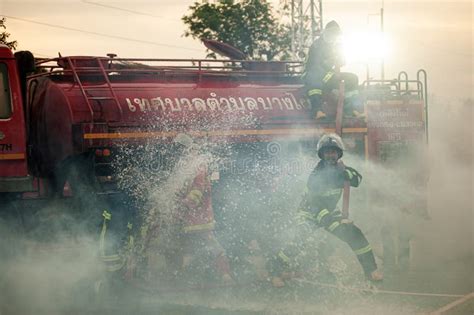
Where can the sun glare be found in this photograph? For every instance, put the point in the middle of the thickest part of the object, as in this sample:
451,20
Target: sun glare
365,47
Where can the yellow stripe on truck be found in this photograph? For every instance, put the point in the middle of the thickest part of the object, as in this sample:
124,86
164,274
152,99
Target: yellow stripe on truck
12,156
222,133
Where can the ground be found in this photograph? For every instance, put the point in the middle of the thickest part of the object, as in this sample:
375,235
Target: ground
60,280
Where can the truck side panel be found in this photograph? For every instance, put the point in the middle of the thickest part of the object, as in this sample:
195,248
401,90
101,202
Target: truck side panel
51,127
12,124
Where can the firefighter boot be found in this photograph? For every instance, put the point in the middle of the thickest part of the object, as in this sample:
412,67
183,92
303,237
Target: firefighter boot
376,276
316,107
358,114
354,107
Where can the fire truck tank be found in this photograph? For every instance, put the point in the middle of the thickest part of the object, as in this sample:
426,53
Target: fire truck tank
82,103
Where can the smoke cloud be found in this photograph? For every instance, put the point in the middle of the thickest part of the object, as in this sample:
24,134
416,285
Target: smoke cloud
51,264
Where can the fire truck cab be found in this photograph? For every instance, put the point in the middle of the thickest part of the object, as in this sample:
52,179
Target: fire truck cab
14,175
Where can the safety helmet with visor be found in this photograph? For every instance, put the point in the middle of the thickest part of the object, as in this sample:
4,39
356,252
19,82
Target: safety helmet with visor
330,140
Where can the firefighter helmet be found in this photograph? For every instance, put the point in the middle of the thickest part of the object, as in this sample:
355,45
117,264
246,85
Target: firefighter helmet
330,140
332,24
331,32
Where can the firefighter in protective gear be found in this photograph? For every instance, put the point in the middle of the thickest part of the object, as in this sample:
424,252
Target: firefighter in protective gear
109,255
116,238
116,243
196,218
318,208
321,74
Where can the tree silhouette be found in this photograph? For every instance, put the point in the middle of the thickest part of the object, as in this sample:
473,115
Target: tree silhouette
248,25
4,36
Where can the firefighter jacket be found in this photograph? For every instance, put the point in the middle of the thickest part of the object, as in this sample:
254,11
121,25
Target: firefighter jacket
321,62
197,213
325,186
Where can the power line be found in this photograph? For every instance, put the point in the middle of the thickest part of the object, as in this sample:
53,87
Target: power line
100,34
119,9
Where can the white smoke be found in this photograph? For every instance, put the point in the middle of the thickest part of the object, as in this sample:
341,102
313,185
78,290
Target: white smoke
54,275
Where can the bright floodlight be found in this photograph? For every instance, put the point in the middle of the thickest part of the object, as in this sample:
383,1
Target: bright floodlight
365,47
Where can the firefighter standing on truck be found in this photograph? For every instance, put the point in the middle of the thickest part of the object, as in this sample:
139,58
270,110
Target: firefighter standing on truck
321,74
324,189
196,218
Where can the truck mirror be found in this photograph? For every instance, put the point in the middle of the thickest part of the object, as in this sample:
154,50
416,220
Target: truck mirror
25,62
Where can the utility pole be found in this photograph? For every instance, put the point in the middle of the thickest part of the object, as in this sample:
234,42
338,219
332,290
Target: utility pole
379,15
306,24
382,62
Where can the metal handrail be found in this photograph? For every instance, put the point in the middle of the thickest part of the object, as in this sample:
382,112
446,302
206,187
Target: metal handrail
147,64
399,88
421,90
404,74
179,71
111,89
99,69
419,74
81,87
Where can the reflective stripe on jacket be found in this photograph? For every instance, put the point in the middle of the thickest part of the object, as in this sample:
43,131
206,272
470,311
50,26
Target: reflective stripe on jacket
324,189
112,262
198,214
321,61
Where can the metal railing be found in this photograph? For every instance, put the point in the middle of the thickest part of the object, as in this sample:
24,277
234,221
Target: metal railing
158,67
400,88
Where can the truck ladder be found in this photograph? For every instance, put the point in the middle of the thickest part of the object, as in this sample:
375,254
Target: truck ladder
97,69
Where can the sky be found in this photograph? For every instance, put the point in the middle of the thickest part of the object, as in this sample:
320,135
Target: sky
433,35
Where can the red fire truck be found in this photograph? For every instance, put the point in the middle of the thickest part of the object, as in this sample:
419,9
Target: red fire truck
62,126
78,109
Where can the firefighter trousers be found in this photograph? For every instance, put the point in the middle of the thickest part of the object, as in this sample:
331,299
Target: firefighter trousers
333,223
352,100
353,236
